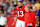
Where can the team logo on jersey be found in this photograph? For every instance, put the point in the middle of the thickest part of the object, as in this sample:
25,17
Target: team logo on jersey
17,7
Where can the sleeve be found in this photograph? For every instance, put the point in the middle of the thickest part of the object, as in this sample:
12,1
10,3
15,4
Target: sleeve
37,14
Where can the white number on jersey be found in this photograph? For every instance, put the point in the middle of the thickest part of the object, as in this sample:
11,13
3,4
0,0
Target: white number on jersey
21,14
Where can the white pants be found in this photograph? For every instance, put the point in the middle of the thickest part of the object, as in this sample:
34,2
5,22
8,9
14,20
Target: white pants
20,23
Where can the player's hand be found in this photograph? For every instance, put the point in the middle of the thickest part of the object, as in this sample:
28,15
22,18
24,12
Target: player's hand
36,25
13,24
30,24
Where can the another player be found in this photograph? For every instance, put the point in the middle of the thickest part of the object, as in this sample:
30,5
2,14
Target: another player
20,14
28,17
33,14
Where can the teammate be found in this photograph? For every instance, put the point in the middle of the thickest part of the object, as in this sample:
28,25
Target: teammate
27,17
33,14
20,14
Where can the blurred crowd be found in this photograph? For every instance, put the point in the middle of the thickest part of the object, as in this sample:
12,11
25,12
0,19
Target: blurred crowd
8,7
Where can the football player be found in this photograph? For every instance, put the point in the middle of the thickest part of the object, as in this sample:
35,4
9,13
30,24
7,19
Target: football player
28,17
20,14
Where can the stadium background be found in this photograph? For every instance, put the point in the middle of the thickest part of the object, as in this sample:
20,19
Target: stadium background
10,5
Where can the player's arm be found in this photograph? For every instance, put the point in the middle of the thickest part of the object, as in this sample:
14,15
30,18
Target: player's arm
27,7
14,21
37,22
5,22
37,18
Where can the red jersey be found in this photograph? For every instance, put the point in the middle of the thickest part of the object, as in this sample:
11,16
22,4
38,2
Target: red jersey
10,21
28,18
33,14
20,12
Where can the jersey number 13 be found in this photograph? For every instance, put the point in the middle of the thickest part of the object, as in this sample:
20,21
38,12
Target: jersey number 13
21,14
